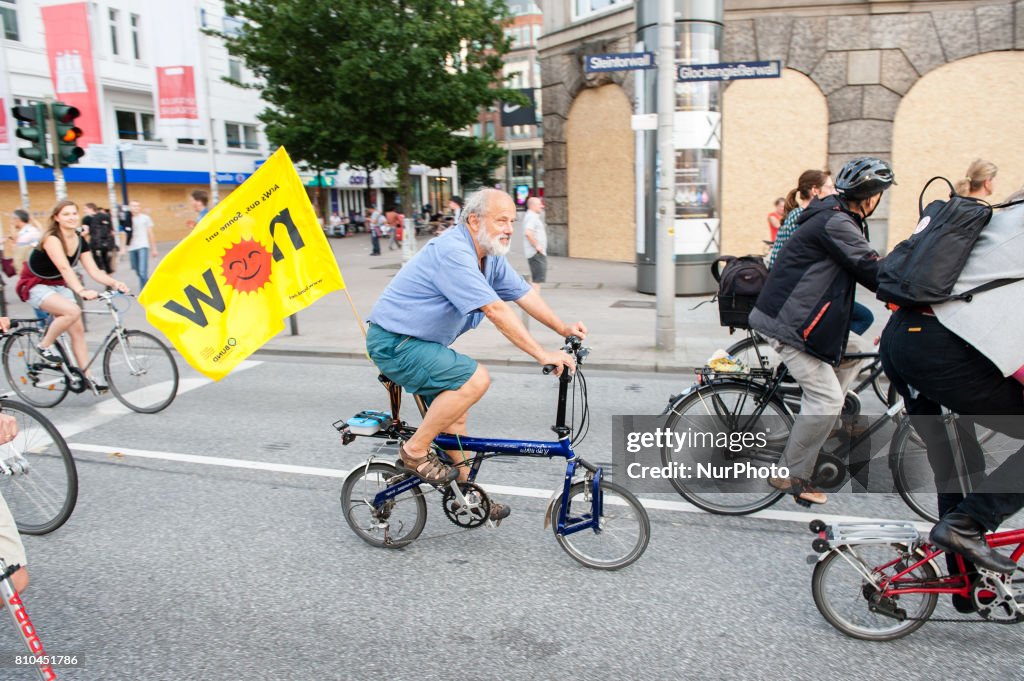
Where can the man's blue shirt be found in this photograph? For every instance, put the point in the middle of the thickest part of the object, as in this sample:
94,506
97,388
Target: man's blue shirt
438,294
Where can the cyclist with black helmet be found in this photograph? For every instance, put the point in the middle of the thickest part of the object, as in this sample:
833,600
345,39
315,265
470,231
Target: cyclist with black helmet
805,306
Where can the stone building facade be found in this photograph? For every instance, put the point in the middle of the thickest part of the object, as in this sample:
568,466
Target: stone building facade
928,85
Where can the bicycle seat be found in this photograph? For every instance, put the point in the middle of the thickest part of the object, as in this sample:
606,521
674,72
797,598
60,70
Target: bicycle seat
395,394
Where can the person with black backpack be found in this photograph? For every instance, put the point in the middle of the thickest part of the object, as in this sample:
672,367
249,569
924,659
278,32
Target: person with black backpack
101,236
805,308
963,351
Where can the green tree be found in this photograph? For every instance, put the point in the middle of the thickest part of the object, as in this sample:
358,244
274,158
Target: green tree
477,159
384,79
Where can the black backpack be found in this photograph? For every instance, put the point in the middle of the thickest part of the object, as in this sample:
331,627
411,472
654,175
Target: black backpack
739,284
923,269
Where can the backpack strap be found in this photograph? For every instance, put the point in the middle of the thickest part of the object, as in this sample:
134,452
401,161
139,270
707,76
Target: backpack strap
1007,204
967,296
920,198
715,271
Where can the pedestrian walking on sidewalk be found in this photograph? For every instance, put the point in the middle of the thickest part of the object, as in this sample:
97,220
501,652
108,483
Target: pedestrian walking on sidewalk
535,241
376,220
143,243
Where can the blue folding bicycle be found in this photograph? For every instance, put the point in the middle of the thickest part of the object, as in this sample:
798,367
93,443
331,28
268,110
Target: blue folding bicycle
598,523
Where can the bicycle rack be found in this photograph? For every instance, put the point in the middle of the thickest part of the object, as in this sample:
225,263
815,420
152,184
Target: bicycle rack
841,534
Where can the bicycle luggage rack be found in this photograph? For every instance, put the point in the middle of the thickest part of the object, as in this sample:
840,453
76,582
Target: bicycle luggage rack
840,534
756,373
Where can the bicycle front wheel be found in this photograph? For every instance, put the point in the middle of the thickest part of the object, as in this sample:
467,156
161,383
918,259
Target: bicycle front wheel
622,533
844,595
754,351
37,382
395,522
141,372
731,409
38,480
913,475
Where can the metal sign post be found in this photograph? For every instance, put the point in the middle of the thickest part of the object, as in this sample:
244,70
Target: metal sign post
665,326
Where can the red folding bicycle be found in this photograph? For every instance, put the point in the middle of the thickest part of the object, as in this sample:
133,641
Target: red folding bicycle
881,581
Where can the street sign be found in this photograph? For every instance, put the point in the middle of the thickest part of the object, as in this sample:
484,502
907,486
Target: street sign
687,73
101,154
623,61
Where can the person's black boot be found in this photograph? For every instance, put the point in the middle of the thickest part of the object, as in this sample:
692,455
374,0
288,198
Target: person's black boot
960,533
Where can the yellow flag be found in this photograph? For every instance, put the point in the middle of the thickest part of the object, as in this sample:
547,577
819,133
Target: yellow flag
257,257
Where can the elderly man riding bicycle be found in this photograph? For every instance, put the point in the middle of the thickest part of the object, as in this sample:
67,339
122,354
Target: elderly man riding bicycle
447,289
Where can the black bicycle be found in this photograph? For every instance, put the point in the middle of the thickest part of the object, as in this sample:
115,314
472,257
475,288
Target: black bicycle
754,350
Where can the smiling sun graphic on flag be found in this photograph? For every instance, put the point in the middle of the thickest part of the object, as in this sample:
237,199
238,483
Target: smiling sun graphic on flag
246,266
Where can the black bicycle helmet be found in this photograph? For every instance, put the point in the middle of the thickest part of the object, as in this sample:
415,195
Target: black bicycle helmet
864,177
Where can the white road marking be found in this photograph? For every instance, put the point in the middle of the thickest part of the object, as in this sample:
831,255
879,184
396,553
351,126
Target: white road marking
110,409
505,490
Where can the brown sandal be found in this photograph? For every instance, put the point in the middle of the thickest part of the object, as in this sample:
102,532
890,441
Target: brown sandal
499,512
427,467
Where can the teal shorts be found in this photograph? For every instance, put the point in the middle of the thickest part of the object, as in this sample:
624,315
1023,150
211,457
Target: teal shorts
422,367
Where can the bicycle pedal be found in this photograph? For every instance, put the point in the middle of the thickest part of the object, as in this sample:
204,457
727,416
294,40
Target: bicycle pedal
802,502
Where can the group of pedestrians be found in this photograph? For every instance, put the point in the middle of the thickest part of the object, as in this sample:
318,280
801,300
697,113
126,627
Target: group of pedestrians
962,355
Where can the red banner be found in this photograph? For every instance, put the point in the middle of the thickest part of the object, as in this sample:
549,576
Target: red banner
176,87
69,50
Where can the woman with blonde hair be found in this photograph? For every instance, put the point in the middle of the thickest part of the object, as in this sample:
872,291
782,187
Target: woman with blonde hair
49,283
979,182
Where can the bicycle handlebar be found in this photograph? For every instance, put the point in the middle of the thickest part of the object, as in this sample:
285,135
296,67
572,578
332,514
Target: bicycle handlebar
110,295
573,346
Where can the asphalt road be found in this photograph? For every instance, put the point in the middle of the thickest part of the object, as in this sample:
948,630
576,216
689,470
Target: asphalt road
186,560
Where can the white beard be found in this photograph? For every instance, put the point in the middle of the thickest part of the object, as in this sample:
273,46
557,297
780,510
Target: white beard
490,245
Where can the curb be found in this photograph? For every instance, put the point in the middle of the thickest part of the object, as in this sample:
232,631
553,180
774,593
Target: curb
491,361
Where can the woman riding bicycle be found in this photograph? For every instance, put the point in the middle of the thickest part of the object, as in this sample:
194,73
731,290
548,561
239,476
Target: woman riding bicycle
48,282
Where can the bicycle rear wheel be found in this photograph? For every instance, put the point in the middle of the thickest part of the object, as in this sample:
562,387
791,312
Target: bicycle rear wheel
39,480
141,372
35,381
623,531
394,523
730,409
843,594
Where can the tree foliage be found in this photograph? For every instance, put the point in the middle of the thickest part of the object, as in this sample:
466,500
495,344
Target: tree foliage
373,82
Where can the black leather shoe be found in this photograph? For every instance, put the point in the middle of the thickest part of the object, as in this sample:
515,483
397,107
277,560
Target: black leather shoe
960,533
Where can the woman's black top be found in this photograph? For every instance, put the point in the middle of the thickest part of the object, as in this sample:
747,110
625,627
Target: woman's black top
40,264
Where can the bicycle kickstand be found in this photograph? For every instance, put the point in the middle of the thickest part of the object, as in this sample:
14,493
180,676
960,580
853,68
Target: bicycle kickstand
12,601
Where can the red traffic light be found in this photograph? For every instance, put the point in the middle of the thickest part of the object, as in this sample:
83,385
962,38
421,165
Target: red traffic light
63,113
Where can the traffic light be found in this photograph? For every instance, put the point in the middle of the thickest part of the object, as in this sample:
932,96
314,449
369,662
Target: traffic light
34,115
68,133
